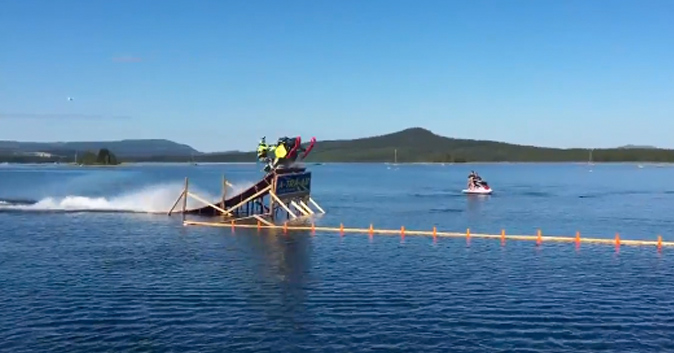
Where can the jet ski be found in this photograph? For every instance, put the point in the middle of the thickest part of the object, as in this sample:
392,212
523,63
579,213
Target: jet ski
481,187
295,152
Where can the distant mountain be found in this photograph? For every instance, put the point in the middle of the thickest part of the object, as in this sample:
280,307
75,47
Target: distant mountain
638,147
421,145
409,146
122,149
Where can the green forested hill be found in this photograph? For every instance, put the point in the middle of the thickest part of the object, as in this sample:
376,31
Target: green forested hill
411,145
420,145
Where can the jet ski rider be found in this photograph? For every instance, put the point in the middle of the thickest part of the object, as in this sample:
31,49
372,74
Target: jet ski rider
473,179
280,151
285,152
263,154
262,149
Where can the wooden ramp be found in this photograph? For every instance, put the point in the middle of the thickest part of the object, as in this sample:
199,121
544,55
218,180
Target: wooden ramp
237,199
285,190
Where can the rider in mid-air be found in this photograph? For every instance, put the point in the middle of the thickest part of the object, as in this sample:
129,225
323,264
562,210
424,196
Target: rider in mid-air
262,149
263,152
280,150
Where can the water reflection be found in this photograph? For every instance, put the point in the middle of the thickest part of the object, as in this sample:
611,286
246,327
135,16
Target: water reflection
279,265
475,204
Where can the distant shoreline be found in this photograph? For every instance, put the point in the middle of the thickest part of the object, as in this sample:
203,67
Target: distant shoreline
414,145
404,163
190,164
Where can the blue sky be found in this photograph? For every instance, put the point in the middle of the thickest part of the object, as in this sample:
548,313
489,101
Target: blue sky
219,74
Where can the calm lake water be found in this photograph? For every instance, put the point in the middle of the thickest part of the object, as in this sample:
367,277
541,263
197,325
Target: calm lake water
85,268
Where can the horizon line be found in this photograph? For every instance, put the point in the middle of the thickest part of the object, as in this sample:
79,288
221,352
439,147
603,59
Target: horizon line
625,146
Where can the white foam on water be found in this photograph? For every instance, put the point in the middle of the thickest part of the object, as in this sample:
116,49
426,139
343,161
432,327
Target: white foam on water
236,189
152,199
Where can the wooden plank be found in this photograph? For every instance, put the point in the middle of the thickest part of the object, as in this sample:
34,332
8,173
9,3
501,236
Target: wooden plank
299,208
209,204
263,220
253,197
182,194
306,207
282,205
316,205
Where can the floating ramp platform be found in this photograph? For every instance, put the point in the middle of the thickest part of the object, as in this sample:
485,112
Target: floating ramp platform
286,191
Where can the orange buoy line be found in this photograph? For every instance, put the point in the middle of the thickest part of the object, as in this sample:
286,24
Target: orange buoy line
538,238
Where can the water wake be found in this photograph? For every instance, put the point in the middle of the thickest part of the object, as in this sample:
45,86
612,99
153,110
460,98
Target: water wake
152,199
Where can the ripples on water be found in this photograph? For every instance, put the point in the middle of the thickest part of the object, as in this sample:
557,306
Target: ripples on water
83,282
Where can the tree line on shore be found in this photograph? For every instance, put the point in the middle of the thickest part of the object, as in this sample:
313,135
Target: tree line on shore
102,157
365,156
414,145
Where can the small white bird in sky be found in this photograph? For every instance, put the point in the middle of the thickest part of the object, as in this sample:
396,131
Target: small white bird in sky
70,98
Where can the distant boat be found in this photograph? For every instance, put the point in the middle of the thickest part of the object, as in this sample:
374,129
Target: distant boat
75,161
590,162
590,159
395,160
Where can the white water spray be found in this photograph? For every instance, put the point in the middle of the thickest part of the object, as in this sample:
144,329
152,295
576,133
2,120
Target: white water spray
238,188
152,199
